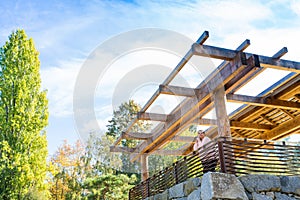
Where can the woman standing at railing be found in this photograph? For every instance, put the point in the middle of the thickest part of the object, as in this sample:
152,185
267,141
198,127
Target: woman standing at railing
208,159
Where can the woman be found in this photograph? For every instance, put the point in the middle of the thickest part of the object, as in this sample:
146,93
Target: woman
207,156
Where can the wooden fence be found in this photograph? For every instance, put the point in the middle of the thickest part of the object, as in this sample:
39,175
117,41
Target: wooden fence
227,155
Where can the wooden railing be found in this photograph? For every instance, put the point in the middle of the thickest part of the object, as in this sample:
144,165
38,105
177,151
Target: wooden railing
233,155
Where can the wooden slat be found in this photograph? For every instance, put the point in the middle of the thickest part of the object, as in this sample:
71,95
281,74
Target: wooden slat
297,96
262,101
267,119
287,113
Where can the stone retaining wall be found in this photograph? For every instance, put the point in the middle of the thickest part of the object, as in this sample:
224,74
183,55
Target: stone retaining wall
228,186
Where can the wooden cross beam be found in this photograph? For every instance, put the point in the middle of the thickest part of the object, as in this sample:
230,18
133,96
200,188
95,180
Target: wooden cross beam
265,61
282,130
263,101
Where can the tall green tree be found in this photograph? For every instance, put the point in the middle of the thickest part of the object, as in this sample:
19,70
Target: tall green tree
122,117
23,117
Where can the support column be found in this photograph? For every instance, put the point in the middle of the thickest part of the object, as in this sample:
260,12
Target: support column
221,113
144,167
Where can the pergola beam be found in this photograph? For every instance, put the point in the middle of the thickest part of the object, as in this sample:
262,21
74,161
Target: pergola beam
186,139
136,135
250,126
282,130
265,61
152,116
262,101
176,90
213,52
280,53
119,149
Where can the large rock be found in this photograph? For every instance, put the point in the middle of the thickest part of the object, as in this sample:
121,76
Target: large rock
157,197
191,185
290,184
280,196
260,183
221,186
165,195
149,198
176,191
195,195
257,196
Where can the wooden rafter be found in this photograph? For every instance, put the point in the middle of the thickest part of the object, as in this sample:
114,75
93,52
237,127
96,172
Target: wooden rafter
227,54
176,90
282,129
137,136
152,116
250,126
262,101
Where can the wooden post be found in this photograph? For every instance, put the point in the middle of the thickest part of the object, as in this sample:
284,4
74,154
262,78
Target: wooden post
221,113
144,166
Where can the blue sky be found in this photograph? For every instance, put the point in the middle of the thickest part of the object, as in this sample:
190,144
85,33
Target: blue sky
67,32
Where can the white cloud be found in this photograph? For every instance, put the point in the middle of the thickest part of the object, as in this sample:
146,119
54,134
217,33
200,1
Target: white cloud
59,81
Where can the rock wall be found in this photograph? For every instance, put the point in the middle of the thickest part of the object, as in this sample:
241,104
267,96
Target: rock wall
227,186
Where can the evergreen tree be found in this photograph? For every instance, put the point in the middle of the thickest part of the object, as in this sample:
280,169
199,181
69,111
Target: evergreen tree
122,116
23,117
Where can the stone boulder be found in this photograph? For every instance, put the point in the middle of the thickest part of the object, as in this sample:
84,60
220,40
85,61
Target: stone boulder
260,183
191,185
221,186
290,184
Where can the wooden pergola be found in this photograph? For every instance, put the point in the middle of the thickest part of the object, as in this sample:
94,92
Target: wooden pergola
271,115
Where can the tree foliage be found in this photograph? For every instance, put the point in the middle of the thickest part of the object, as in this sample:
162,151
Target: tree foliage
109,186
68,171
122,117
104,180
23,117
